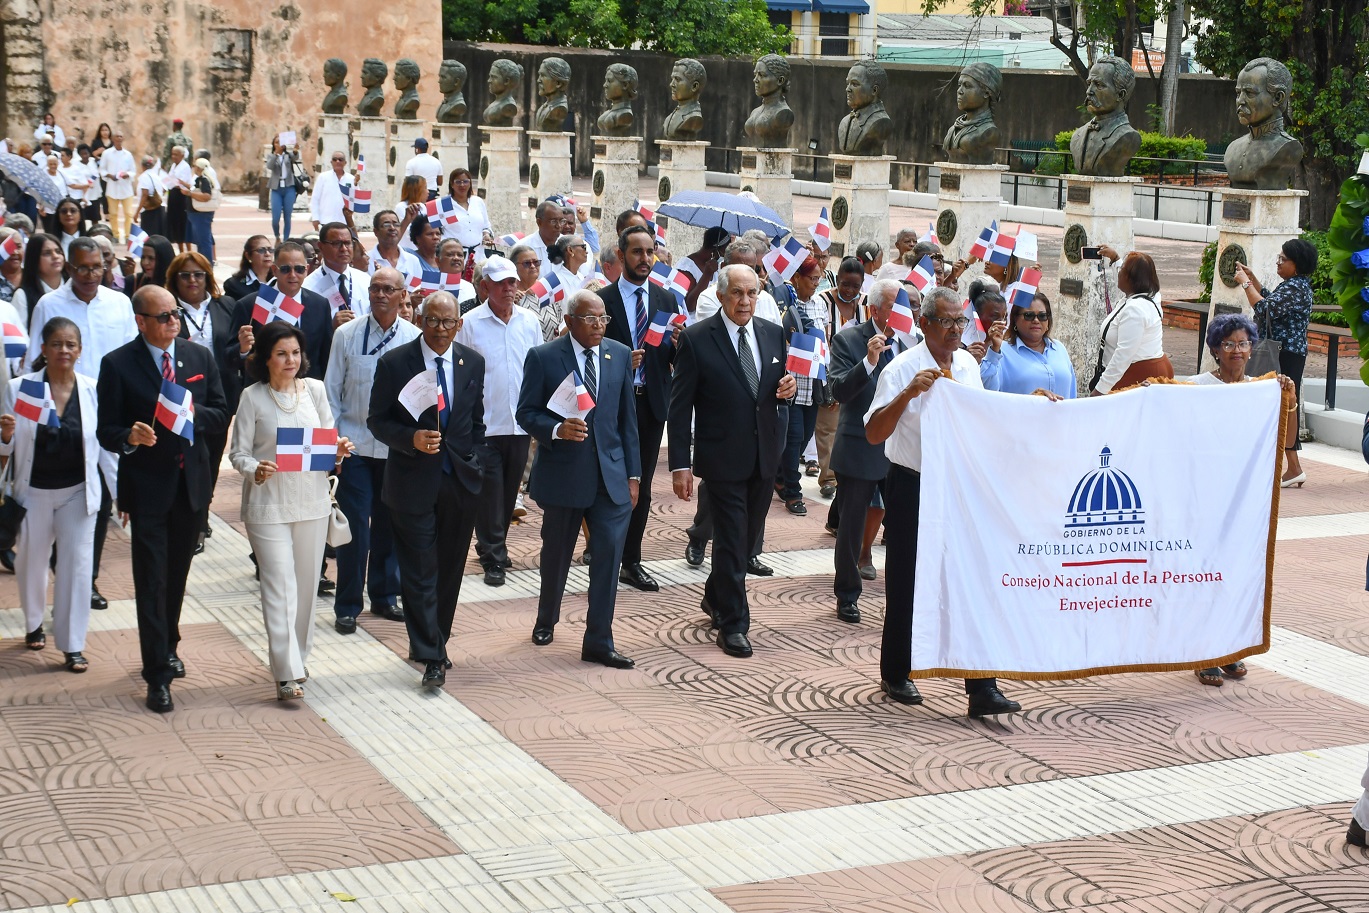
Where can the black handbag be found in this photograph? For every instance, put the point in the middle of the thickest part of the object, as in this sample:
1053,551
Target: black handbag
11,511
301,182
1264,354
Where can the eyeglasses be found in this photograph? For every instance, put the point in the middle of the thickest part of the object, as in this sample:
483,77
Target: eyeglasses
388,224
1242,346
163,318
1035,316
529,264
195,276
462,181
386,290
1280,259
260,250
593,320
88,270
959,323
446,323
286,269
346,243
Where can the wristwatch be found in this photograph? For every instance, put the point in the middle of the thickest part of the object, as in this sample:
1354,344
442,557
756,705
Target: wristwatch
1245,284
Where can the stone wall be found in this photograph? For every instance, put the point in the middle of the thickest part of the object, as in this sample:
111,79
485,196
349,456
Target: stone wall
235,71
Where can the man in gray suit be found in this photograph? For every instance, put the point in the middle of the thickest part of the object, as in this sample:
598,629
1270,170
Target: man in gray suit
586,468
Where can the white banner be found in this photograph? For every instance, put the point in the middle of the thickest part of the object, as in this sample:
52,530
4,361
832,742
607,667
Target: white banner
1124,533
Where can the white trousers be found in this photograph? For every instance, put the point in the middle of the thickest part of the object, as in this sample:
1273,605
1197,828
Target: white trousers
289,556
1361,810
57,515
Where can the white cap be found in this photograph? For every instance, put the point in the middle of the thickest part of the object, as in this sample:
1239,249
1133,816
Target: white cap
497,269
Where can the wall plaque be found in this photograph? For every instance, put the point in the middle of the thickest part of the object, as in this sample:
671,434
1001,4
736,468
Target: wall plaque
596,212
841,210
841,171
1226,263
534,142
947,225
1074,288
534,175
1236,210
1077,194
950,183
667,154
600,150
599,183
663,189
748,163
1076,238
837,249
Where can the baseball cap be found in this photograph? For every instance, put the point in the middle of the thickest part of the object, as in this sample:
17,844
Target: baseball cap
497,269
421,143
178,123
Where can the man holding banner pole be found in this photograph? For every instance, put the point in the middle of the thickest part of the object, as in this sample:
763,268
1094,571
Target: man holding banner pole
894,419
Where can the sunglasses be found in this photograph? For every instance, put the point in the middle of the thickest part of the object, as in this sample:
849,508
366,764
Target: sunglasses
1034,316
260,250
164,317
196,276
285,268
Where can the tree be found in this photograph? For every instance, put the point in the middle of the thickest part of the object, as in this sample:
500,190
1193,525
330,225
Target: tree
1326,46
1169,76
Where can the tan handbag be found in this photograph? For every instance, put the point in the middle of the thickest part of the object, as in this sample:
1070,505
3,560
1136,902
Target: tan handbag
339,530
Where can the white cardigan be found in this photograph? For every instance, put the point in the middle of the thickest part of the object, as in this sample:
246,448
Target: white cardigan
20,447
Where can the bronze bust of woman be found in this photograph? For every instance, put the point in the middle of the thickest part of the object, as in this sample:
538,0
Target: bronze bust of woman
553,78
620,88
769,123
974,136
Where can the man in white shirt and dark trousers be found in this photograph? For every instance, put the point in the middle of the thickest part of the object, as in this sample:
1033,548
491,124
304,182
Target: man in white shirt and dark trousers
426,166
325,202
894,419
119,170
504,334
336,280
369,561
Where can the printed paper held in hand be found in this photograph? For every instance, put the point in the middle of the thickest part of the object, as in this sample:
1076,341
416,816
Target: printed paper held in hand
421,394
571,399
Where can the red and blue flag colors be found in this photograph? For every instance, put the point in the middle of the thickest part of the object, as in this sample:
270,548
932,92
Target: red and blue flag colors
672,280
901,317
821,230
442,212
306,449
808,354
356,199
508,241
10,246
16,341
922,276
984,244
661,323
176,410
785,259
583,401
34,402
137,237
273,304
1023,292
549,290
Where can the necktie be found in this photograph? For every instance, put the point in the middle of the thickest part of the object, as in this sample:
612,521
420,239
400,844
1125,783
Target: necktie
168,372
753,381
639,378
591,374
446,408
346,295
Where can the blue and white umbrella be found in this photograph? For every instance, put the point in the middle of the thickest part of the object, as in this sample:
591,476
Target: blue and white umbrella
736,214
31,179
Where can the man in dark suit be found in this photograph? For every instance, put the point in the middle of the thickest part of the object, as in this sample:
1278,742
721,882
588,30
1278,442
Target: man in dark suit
859,354
433,475
316,323
730,381
586,468
630,304
164,480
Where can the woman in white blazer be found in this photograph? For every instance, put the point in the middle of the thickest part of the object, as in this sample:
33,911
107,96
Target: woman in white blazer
57,479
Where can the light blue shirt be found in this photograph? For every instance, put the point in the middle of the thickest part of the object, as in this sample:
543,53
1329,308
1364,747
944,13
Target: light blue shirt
156,354
1020,369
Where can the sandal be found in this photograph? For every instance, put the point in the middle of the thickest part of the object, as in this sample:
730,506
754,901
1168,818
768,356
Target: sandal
1211,676
76,662
1234,670
288,691
36,640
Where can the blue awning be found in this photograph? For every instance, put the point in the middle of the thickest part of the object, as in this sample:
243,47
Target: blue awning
801,6
841,6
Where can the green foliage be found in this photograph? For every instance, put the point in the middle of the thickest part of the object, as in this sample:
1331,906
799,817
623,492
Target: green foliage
1183,149
682,28
1345,238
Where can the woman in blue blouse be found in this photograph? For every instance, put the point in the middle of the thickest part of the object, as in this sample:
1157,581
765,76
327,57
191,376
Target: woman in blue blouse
1283,314
1028,359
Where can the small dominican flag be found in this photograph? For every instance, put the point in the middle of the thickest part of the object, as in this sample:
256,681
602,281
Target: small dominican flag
436,281
176,410
922,276
507,241
10,246
974,332
358,201
549,290
821,230
136,239
901,318
785,259
646,212
306,449
34,402
1022,292
672,280
984,244
660,233
361,166
16,341
1002,249
441,212
930,235
273,304
661,322
583,401
808,354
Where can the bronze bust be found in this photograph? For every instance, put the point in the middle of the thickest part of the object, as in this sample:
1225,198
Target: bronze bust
506,77
1263,159
553,79
373,73
866,129
407,76
620,88
1104,146
768,125
451,77
687,79
974,136
334,74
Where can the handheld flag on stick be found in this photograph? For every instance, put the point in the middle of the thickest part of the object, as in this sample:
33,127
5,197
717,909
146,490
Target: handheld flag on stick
1022,292
571,399
176,410
10,246
661,322
901,317
930,235
273,304
137,237
821,230
549,290
16,341
922,276
436,281
807,354
984,244
786,259
358,201
441,211
507,241
306,449
361,165
1002,249
672,280
34,402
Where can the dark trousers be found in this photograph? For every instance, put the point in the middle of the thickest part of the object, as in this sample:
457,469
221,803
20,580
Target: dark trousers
607,529
852,503
503,458
101,528
649,432
217,444
1291,366
738,518
371,553
163,545
432,548
902,495
802,421
701,530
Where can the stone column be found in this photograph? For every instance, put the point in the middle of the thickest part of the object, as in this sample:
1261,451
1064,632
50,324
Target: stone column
616,166
681,168
769,174
499,149
371,138
1254,225
402,136
968,200
548,165
1097,211
450,144
860,202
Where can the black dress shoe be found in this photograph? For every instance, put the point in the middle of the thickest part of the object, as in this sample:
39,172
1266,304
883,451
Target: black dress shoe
199,545
828,492
708,610
848,612
756,569
904,692
325,586
611,658
494,575
446,663
388,612
991,701
7,559
506,563
694,553
868,572
159,699
1355,835
542,636
734,644
435,674
345,624
177,667
634,575
97,602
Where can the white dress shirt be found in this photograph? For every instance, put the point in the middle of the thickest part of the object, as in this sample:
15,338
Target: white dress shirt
185,178
357,346
105,323
628,291
534,240
582,355
151,181
904,446
75,179
114,162
426,166
199,323
325,282
430,362
325,203
734,331
59,139
409,264
475,221
1133,332
505,347
706,305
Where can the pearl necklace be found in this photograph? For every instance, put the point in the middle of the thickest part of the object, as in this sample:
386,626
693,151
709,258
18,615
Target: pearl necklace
279,405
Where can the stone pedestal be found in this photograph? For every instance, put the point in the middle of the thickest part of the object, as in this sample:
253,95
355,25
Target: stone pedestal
860,202
498,179
334,135
1254,225
681,168
1097,211
548,165
371,138
968,200
450,143
402,136
769,174
616,166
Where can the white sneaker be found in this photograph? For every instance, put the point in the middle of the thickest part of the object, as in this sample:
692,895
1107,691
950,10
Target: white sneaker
519,511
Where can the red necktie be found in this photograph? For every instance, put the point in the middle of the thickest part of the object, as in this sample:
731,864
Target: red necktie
168,372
